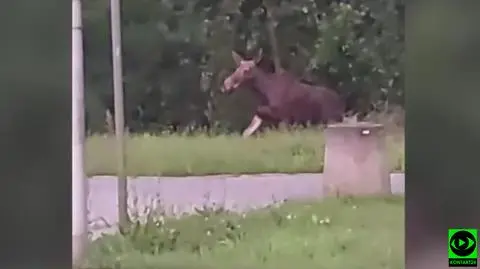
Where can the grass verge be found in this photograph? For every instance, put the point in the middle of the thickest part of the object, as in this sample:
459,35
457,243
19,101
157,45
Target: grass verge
356,233
298,151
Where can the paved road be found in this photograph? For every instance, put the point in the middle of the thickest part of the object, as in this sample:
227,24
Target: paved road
182,195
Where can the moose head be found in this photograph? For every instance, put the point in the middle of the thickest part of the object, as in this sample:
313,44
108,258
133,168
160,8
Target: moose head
244,72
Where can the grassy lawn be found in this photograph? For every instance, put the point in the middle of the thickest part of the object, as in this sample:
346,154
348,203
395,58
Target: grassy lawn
177,155
360,233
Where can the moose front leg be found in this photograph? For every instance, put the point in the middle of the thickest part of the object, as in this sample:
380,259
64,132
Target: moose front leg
253,126
263,113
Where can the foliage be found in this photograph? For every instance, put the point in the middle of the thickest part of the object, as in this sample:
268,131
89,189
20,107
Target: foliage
295,151
362,47
175,54
336,233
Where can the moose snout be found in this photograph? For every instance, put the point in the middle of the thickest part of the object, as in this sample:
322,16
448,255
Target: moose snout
223,89
227,86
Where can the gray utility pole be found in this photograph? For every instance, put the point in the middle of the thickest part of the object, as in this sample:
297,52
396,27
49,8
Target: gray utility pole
79,183
119,110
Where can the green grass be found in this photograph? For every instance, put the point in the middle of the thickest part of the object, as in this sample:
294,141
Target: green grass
200,154
360,233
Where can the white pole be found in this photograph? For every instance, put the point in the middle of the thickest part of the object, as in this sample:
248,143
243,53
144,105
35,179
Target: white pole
119,116
79,184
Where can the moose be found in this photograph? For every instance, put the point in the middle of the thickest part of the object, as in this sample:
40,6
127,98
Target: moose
283,97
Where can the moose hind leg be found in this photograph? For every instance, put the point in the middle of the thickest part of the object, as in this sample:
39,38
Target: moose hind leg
253,126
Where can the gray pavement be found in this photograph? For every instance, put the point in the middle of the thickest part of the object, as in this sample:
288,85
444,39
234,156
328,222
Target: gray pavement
182,195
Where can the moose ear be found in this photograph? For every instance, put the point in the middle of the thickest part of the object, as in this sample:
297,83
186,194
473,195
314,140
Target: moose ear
237,58
259,56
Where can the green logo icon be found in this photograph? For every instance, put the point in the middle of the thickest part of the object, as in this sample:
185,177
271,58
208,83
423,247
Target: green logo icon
462,247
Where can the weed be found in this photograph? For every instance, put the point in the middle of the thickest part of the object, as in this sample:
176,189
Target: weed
334,234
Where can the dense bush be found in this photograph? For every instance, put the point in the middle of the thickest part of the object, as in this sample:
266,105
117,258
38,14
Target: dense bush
175,54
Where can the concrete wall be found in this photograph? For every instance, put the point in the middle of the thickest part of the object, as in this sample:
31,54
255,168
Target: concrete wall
183,194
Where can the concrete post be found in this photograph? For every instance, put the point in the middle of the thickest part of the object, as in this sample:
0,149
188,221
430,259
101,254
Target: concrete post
356,160
79,182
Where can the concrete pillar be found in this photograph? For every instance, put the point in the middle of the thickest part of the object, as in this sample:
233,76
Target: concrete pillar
356,160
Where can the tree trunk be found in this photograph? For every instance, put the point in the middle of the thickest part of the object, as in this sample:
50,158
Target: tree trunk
271,25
